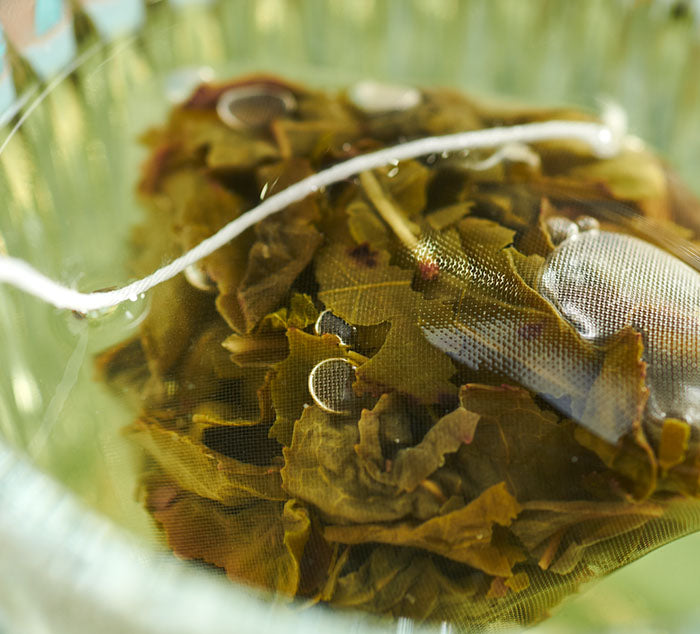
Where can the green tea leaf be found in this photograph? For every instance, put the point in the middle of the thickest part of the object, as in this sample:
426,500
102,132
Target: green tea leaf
408,583
520,443
261,544
632,175
196,468
463,535
359,285
274,262
177,312
412,465
365,227
302,312
322,466
407,185
558,533
289,385
619,392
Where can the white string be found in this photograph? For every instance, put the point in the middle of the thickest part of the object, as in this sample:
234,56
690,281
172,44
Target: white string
604,140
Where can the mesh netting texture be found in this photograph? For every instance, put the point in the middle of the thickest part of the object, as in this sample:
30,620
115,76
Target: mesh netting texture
452,387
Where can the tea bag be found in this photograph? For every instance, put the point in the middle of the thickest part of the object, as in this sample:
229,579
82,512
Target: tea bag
451,387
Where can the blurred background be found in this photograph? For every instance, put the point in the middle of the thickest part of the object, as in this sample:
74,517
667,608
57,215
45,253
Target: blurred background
79,81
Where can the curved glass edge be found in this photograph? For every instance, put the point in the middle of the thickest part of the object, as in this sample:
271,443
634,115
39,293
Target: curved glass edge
80,573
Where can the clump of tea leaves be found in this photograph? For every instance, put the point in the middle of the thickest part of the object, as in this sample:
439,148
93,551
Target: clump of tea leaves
432,490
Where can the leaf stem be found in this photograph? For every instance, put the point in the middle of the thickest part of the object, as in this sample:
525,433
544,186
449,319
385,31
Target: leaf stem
388,210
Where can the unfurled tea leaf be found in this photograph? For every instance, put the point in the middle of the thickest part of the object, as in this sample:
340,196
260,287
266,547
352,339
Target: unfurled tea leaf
633,175
359,285
261,543
405,582
528,447
407,184
196,468
323,467
301,313
413,465
558,533
463,535
289,384
275,261
619,393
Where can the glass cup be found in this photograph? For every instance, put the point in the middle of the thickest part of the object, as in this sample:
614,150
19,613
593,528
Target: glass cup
78,551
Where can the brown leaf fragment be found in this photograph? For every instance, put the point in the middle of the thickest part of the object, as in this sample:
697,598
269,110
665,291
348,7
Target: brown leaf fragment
498,588
206,95
550,549
157,165
261,544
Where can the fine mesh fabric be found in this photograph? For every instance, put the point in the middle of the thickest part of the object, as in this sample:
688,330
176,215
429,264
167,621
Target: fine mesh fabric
449,388
403,363
604,282
441,370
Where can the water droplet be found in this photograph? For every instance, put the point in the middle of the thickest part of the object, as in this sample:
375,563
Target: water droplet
254,105
561,229
587,223
375,98
196,276
330,385
328,323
